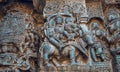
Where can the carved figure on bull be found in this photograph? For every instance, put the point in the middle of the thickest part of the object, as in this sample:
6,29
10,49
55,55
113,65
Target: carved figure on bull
61,34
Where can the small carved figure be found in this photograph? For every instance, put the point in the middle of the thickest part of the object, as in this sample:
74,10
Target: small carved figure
72,32
28,48
86,39
114,36
113,27
86,35
99,39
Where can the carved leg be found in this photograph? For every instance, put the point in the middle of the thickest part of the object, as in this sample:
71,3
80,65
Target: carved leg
46,59
75,16
72,55
103,57
93,54
55,62
100,52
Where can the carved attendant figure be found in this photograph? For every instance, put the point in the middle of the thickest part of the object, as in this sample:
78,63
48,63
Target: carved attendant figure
114,35
99,35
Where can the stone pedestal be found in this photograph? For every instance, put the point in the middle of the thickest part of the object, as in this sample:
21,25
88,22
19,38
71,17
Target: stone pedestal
96,67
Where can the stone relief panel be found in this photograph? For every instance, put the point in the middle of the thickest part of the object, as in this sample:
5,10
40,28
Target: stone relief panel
69,42
63,40
24,55
19,41
66,41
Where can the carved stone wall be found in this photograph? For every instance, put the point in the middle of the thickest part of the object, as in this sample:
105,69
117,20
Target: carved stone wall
59,35
94,9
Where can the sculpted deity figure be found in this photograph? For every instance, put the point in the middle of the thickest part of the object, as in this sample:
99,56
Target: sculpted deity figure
28,49
85,34
99,35
114,35
28,42
72,33
86,39
59,40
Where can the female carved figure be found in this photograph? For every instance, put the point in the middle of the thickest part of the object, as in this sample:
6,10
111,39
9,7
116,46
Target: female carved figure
99,36
114,35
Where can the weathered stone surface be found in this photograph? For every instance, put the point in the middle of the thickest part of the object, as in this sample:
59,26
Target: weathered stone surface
94,9
12,25
97,67
59,36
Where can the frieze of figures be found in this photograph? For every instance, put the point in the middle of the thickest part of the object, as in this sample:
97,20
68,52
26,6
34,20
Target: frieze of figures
67,40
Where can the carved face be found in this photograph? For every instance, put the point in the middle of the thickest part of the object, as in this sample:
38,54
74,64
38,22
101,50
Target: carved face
59,20
98,48
68,28
95,25
68,20
84,29
59,29
100,33
113,27
52,23
111,17
51,31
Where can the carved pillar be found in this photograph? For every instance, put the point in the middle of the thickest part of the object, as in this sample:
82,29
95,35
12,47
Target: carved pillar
77,7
